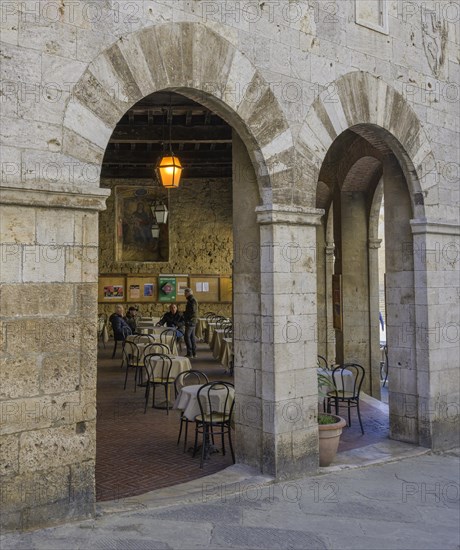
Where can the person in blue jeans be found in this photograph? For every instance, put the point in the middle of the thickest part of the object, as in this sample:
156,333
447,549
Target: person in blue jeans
191,319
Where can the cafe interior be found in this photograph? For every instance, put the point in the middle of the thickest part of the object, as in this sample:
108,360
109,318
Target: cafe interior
168,226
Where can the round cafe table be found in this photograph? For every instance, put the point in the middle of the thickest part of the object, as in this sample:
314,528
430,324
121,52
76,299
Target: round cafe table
143,341
179,364
187,400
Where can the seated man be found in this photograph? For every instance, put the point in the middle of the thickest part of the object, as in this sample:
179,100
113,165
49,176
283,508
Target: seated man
120,327
173,319
131,318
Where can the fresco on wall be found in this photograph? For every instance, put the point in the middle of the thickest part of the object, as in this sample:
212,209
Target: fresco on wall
134,220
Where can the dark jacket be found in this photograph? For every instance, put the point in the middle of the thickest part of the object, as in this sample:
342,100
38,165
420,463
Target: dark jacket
191,311
132,322
173,320
120,327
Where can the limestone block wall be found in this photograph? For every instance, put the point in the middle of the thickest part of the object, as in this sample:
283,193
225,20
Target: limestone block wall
200,236
290,77
48,305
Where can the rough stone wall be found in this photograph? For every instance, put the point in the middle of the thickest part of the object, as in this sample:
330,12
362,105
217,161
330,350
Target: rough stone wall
265,67
200,237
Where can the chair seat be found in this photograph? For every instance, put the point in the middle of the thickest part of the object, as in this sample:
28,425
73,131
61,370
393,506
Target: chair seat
341,394
217,418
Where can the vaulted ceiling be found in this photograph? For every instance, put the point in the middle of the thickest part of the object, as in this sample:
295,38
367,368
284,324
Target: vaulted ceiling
200,138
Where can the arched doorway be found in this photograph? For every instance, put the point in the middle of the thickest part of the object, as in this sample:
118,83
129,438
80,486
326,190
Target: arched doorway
366,138
182,58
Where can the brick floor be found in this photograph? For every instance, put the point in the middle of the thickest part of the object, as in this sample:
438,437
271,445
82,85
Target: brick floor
137,452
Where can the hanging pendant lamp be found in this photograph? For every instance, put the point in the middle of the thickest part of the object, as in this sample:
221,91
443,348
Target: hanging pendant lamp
169,167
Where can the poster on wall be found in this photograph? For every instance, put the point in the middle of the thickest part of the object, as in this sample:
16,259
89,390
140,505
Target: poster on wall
138,235
111,288
134,292
113,291
141,288
167,289
337,301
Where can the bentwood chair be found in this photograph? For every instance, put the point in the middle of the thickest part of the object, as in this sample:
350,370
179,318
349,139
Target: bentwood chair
169,334
350,396
125,334
158,369
322,362
216,402
132,360
187,378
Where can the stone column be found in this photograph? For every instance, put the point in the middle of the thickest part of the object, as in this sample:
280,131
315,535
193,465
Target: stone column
374,330
48,352
355,281
401,308
437,331
288,313
330,332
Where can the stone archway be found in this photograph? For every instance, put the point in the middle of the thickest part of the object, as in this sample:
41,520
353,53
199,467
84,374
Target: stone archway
192,59
368,107
196,62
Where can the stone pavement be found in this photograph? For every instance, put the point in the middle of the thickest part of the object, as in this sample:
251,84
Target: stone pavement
407,504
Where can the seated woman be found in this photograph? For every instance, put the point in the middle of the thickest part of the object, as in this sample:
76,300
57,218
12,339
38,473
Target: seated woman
173,319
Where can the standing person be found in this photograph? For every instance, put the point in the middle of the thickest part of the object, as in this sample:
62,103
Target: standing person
191,319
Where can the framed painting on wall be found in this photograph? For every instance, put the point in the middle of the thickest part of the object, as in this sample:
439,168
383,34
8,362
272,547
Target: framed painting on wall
138,235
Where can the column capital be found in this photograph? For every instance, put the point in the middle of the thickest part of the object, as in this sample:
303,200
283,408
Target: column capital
440,227
288,215
374,243
72,197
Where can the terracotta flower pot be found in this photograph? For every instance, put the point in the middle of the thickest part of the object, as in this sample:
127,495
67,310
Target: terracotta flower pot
329,437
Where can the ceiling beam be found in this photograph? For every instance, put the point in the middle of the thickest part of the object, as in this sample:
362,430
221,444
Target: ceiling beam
179,134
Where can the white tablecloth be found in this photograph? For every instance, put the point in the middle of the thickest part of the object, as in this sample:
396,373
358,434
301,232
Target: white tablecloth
200,329
142,341
216,342
179,364
187,400
226,353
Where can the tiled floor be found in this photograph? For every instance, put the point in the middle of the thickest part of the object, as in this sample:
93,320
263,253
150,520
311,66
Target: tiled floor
137,452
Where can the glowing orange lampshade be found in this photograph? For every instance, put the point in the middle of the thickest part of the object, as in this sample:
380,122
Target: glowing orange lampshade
169,170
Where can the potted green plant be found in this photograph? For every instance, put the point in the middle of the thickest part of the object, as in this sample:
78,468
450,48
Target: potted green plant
329,427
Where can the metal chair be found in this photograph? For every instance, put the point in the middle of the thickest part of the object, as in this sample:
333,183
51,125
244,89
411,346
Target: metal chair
132,358
341,395
186,379
158,369
214,420
165,335
322,362
125,333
